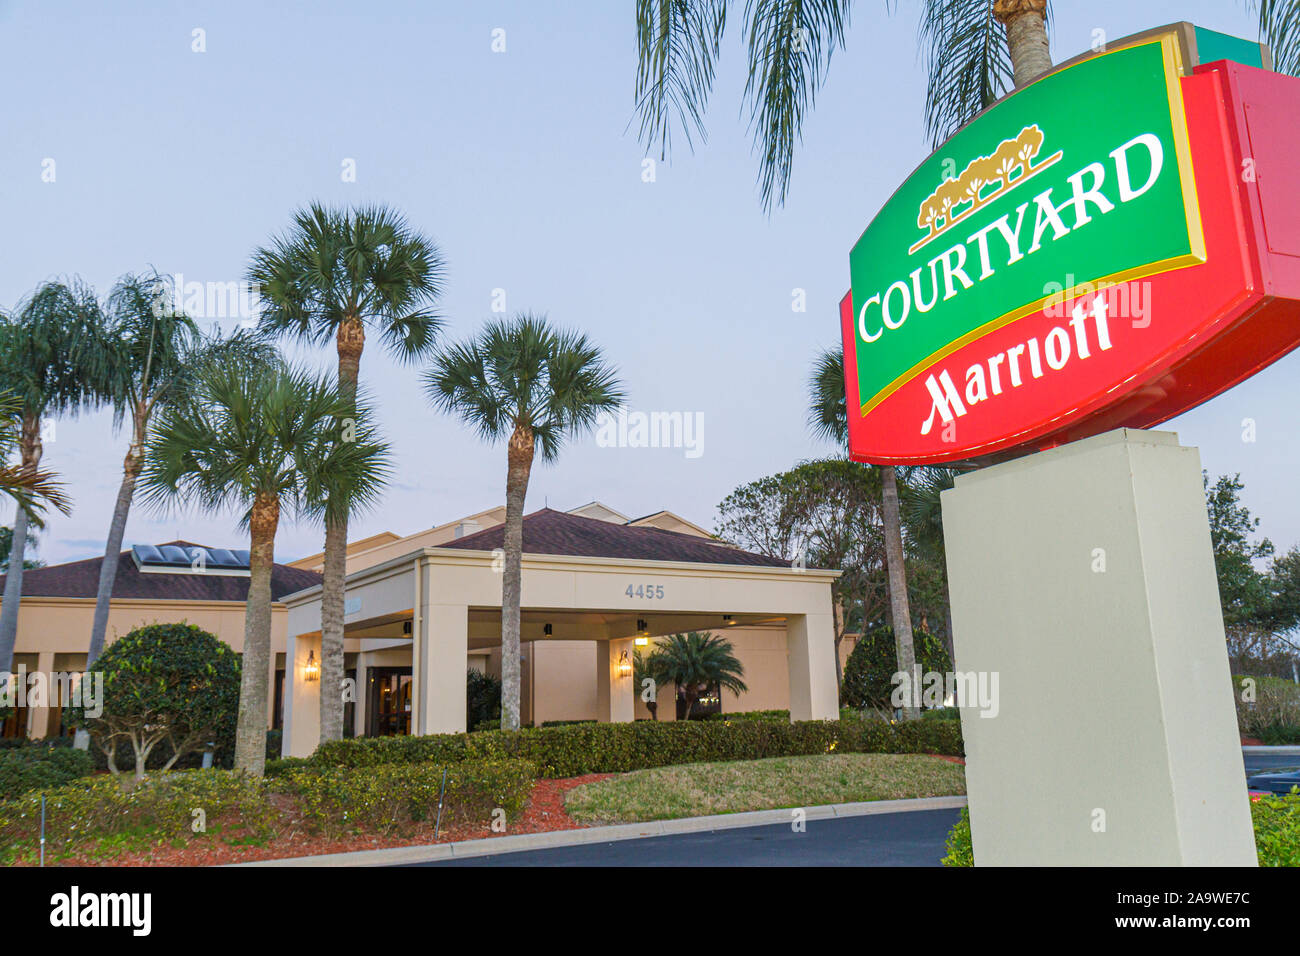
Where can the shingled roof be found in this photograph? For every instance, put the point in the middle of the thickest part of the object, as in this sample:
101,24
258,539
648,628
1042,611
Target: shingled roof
556,532
80,579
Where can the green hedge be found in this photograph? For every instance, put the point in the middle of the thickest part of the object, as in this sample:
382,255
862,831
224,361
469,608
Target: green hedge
579,749
37,767
1277,834
161,807
388,796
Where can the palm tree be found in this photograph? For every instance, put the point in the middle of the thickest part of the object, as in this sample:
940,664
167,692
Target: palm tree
45,362
266,439
521,380
695,662
335,273
151,352
828,418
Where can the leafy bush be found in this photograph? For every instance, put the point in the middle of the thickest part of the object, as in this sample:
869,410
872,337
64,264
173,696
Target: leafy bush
173,686
388,796
1276,821
579,749
1277,830
1268,709
869,671
39,767
162,807
482,698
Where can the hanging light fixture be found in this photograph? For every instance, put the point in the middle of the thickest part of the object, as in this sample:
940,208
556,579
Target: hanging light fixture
546,629
311,670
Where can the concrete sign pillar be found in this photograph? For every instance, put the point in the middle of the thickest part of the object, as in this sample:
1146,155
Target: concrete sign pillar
1085,606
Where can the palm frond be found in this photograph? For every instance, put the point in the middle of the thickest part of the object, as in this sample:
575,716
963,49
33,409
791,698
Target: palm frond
1279,27
967,63
790,47
828,415
678,44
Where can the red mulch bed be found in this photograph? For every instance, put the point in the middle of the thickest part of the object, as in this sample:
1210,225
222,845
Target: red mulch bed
544,813
1251,741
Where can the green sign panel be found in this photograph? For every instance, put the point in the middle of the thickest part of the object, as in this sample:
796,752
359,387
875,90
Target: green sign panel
1081,178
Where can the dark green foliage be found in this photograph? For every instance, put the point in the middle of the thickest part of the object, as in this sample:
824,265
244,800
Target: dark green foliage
388,796
482,698
578,749
694,662
869,670
157,808
169,690
40,766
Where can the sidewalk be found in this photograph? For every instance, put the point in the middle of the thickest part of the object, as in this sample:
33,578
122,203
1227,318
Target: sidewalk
626,831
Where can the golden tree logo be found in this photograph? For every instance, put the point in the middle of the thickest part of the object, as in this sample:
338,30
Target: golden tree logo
983,179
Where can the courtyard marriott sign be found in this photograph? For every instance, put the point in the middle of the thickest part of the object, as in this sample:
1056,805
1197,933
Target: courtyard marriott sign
1060,266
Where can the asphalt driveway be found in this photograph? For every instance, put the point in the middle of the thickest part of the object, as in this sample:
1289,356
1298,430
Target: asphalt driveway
914,838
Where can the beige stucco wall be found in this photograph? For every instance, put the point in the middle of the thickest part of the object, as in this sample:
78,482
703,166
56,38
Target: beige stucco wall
53,633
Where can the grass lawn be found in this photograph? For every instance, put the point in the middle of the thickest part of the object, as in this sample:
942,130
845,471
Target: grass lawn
698,789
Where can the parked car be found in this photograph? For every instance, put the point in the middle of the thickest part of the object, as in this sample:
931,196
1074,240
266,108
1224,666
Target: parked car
1279,780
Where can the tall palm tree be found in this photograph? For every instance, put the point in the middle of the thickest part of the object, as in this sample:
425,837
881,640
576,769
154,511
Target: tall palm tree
828,418
694,662
268,440
535,386
335,273
45,362
149,357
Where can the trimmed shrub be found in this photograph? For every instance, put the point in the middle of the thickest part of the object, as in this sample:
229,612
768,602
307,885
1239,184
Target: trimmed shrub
157,808
39,767
780,716
169,690
579,749
389,796
869,671
1276,821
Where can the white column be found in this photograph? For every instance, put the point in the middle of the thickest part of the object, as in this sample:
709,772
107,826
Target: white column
810,647
615,690
1082,580
442,645
301,733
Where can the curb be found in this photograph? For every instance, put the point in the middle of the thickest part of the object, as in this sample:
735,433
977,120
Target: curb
1281,751
492,846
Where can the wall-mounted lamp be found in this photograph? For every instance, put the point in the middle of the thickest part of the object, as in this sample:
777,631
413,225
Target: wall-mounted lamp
546,629
624,665
642,627
728,619
406,627
311,670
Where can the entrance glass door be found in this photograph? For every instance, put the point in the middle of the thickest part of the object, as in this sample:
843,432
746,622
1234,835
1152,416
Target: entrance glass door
389,702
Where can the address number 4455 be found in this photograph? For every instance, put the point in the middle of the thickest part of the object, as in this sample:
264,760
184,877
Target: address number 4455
646,592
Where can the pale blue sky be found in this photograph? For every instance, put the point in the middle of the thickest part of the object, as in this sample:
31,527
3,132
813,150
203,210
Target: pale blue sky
523,168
